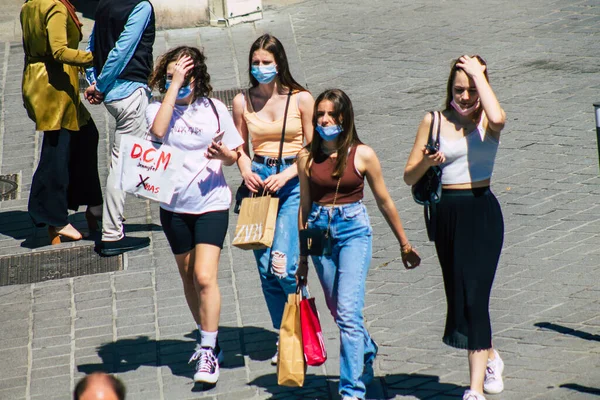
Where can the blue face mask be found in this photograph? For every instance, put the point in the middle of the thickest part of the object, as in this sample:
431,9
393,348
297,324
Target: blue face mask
182,93
264,74
329,133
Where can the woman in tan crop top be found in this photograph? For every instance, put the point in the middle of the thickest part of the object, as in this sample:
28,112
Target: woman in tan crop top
332,171
259,115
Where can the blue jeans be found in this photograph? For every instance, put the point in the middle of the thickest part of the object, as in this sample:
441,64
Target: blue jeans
277,285
343,276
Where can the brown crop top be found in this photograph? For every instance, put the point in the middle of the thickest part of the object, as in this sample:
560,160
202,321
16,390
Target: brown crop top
323,185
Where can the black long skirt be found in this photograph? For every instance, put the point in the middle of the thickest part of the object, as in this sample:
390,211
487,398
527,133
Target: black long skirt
468,239
66,176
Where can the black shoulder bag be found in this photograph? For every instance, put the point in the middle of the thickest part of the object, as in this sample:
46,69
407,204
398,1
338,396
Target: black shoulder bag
428,190
243,191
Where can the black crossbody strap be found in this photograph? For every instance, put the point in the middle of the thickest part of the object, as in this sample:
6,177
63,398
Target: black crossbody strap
430,137
214,108
437,137
287,105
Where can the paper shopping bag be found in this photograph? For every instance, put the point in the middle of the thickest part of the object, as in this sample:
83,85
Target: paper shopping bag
291,367
312,335
147,168
256,223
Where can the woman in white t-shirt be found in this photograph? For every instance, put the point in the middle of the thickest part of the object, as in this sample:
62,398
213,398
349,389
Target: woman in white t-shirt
195,221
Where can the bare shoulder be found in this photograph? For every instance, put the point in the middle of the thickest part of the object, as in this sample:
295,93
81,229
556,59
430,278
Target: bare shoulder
365,153
239,101
302,155
305,96
305,101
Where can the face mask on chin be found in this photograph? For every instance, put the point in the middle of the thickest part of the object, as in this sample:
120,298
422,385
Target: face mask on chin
329,133
465,111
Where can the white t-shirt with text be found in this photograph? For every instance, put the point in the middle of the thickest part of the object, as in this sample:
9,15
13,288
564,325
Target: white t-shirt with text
201,185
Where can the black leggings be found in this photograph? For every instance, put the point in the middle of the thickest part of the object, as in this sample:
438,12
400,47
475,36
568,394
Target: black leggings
66,176
468,240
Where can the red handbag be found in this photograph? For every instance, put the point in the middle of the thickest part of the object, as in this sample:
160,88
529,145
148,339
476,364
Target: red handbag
312,335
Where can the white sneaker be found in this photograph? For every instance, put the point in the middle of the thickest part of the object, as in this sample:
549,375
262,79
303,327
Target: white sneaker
350,398
493,383
472,395
207,365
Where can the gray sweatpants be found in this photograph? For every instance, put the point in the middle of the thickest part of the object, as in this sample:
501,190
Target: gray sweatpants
130,116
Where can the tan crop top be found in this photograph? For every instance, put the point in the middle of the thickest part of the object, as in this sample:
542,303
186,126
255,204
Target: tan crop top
265,136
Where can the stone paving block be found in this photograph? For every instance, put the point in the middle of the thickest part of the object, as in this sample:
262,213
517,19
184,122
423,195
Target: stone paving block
40,343
94,331
133,320
56,361
13,393
50,372
137,330
134,303
96,299
131,312
134,294
56,385
93,321
132,282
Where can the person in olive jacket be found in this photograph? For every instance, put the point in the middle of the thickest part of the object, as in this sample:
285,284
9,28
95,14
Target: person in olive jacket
67,174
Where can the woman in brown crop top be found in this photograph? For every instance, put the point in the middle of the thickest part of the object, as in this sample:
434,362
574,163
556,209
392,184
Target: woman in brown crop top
331,171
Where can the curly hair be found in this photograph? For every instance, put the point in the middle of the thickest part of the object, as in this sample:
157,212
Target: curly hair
201,85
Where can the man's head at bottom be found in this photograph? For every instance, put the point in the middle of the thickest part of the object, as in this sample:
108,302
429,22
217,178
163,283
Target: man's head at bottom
99,386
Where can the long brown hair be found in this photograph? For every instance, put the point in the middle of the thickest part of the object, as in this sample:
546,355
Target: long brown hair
271,44
201,85
453,72
344,115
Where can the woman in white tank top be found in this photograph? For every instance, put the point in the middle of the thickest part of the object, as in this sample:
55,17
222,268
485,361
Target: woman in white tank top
469,226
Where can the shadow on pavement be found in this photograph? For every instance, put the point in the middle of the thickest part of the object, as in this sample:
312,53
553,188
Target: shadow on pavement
16,224
568,331
19,226
315,387
129,354
581,389
418,386
577,333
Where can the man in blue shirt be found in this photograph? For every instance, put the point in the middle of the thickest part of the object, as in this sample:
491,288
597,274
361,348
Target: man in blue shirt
121,42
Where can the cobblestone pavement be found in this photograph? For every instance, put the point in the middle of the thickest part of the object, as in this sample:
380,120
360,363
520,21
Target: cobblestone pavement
392,57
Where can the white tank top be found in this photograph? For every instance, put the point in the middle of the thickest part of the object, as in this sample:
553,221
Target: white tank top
470,158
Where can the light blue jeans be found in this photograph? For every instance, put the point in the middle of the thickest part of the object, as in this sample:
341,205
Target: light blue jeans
277,286
343,276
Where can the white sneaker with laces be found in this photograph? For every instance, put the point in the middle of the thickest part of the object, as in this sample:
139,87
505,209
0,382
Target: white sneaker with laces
207,365
493,383
350,398
472,395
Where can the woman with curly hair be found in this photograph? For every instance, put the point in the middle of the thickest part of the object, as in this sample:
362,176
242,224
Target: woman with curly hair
195,221
274,102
